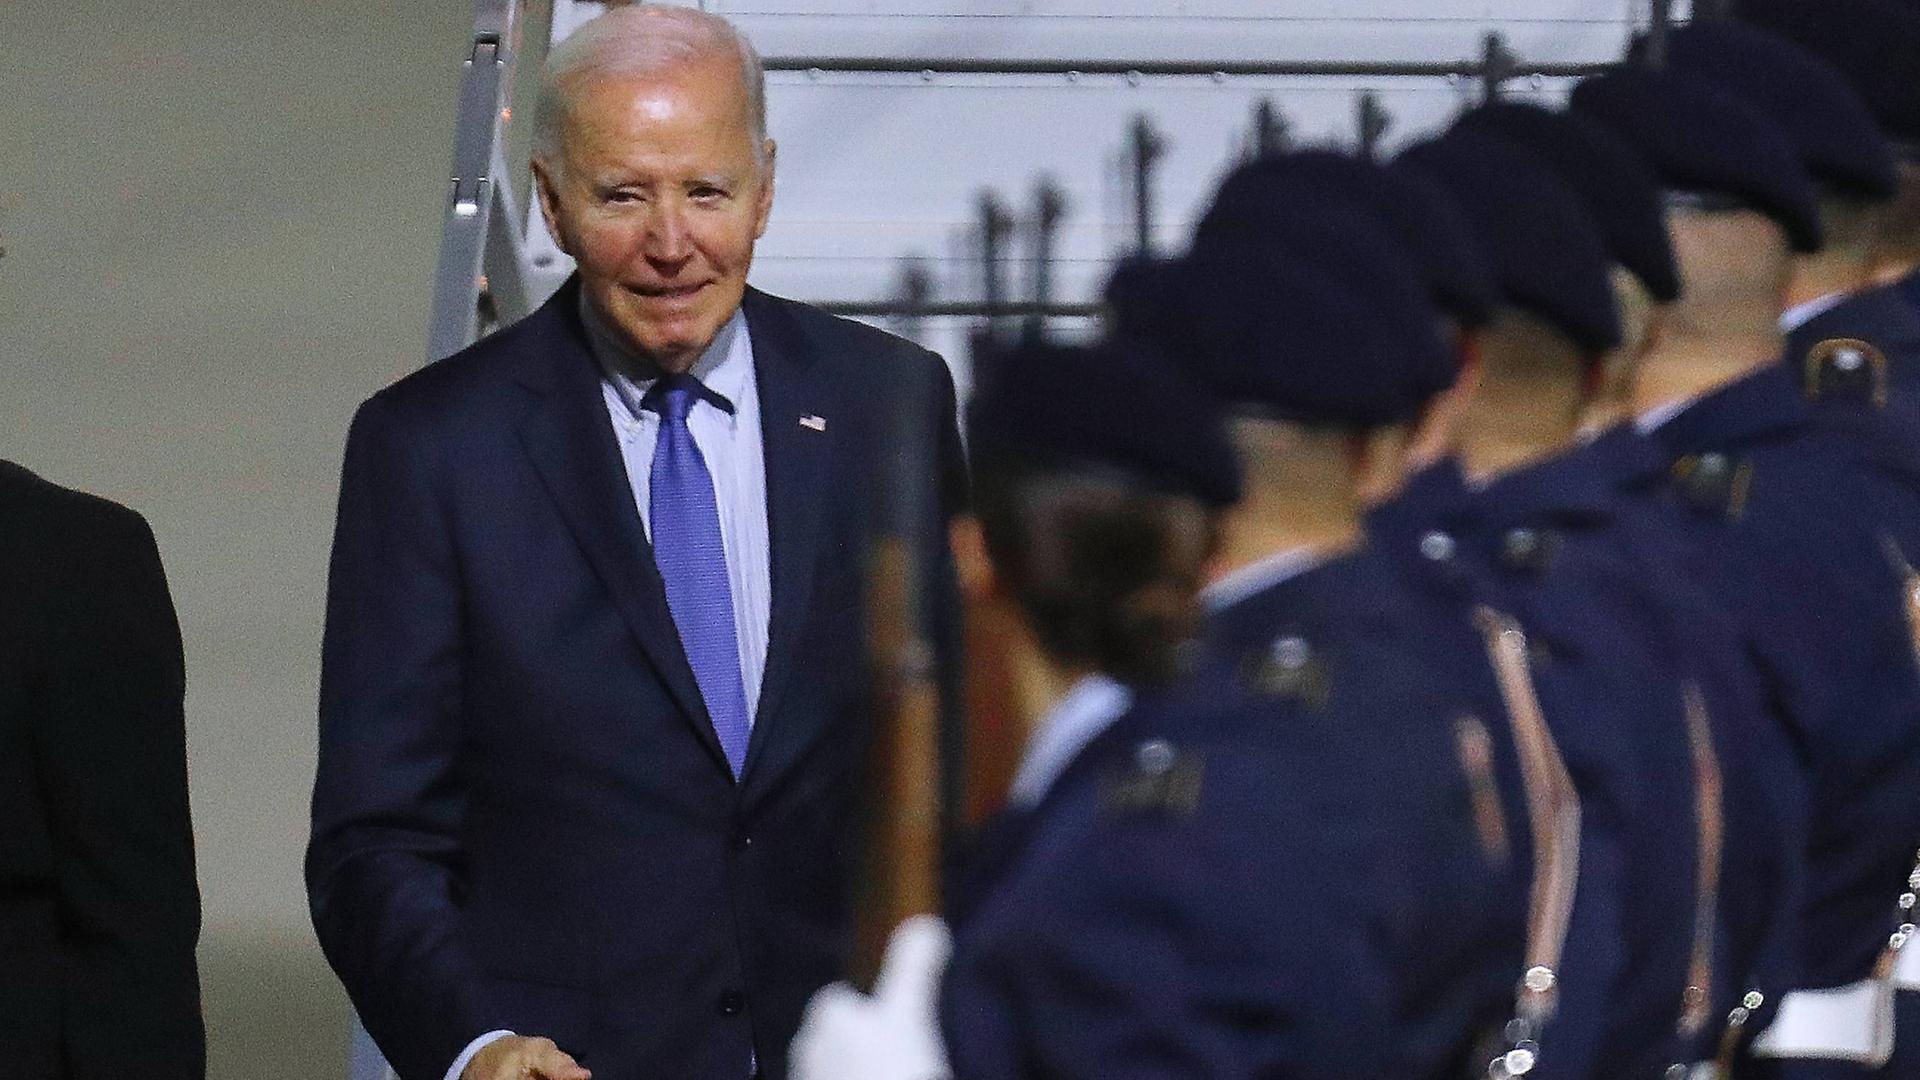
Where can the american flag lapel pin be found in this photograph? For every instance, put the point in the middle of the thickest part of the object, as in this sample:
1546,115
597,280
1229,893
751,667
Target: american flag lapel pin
813,423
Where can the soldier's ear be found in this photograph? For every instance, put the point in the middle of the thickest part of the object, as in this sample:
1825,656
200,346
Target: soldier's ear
1654,337
978,579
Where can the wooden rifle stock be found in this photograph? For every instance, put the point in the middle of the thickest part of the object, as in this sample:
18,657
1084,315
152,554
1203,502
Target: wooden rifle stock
909,809
902,875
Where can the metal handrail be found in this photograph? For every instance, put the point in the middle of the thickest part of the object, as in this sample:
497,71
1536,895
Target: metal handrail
962,65
962,309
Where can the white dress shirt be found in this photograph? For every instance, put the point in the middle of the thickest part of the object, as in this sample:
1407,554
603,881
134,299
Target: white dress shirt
732,448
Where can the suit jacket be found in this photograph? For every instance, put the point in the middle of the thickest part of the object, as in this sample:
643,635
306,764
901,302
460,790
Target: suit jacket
99,907
522,817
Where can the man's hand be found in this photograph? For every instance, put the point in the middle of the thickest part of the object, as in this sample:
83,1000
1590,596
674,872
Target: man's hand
514,1058
893,1034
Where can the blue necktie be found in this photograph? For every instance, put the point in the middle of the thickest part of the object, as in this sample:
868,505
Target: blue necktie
693,563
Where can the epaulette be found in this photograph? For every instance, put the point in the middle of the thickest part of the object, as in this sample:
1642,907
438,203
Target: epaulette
1845,369
1158,780
1291,669
1713,483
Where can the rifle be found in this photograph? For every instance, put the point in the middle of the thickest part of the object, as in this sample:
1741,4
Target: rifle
907,815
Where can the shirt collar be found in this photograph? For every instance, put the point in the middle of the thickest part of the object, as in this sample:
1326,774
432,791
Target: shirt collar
725,367
1800,315
1088,709
1883,316
1259,576
1655,418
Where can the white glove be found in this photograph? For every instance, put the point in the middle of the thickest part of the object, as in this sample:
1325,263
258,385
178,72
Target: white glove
892,1034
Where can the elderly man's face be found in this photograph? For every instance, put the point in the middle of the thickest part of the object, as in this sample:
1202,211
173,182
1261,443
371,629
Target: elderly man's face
658,196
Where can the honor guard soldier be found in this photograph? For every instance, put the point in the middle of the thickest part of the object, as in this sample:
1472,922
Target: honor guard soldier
1798,522
1621,194
1224,878
1418,630
1526,542
1847,338
1874,44
1618,584
1323,381
1095,526
1324,385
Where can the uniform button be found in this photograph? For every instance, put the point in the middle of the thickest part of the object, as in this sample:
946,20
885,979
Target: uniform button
739,840
1521,546
731,1003
1437,546
1155,756
1292,653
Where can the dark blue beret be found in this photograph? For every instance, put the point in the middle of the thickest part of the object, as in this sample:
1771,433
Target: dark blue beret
1147,302
1874,43
1314,224
1549,255
1839,140
1117,405
1704,139
1420,216
1620,190
1277,332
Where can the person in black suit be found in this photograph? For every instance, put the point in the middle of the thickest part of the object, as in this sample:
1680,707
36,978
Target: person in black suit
99,906
593,706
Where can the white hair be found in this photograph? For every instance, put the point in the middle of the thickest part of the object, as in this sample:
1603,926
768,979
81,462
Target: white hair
641,39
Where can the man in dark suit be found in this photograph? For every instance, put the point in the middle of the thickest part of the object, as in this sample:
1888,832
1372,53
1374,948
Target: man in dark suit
593,697
99,907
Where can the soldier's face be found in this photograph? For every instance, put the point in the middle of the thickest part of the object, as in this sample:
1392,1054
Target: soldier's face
658,194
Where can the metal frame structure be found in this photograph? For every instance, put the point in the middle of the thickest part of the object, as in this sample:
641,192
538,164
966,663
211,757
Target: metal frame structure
478,182
950,65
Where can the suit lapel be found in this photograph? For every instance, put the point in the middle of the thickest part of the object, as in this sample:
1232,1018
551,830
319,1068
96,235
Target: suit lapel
796,455
571,442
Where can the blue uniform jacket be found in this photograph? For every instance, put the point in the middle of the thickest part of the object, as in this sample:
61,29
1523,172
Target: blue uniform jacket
1801,520
1250,877
1605,589
1530,546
